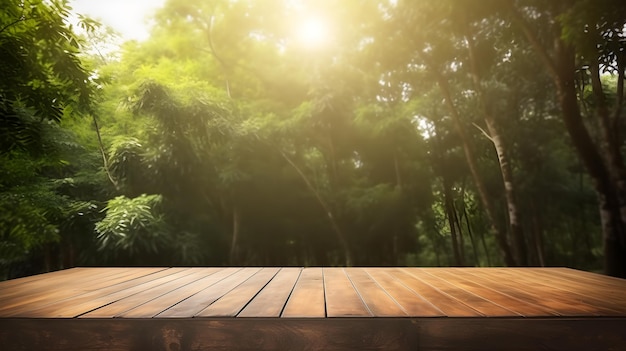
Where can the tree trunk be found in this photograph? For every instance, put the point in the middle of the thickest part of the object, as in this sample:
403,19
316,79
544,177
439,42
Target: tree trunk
469,228
484,243
436,247
47,258
470,158
396,167
234,250
614,231
610,197
447,195
331,218
68,254
457,221
517,233
611,201
495,135
537,233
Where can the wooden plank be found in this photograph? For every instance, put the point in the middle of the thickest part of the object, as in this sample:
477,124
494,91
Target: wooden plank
5,285
71,308
592,278
482,305
555,300
199,301
519,306
272,299
49,281
167,300
56,307
371,292
521,334
60,282
47,278
593,295
411,302
39,304
235,300
555,293
594,285
425,334
442,301
307,298
342,300
230,334
375,298
486,278
605,284
130,302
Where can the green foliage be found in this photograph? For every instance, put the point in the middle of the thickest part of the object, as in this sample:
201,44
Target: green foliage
46,177
133,226
38,58
36,211
125,157
26,223
235,127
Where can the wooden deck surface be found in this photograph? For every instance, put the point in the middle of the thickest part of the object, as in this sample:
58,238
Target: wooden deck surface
390,308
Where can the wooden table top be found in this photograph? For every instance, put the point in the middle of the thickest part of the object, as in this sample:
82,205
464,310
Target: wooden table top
155,293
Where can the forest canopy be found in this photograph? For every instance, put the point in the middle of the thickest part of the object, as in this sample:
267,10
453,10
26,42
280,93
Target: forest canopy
315,133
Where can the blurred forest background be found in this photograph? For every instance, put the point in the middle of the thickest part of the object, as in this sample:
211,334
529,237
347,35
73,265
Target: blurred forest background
286,132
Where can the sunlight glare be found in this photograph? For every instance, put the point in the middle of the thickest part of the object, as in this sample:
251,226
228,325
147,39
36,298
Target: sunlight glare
313,32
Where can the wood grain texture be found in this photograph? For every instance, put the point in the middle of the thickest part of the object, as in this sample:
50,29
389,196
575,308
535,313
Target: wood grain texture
44,276
442,301
165,301
307,298
377,300
235,300
595,278
202,299
313,293
482,305
609,296
42,288
68,299
342,300
272,299
424,334
411,302
563,302
518,306
515,291
119,307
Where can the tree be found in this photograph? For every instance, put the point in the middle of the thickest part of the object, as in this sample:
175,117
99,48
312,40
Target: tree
44,82
571,36
41,71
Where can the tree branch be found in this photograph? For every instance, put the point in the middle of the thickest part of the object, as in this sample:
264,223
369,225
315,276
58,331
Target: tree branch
325,206
21,18
214,53
621,76
483,131
10,25
105,161
534,42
